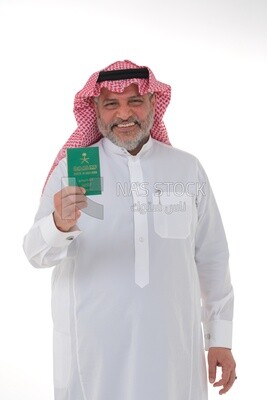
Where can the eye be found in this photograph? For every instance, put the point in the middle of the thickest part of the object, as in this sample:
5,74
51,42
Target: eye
110,105
136,101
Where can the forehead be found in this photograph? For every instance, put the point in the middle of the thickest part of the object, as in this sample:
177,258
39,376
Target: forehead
129,91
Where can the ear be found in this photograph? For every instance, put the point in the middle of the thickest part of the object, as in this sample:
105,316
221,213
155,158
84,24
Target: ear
153,100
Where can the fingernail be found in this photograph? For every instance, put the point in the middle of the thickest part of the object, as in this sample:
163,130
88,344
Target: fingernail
212,380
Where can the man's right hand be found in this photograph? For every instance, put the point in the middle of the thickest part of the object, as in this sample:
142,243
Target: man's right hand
68,203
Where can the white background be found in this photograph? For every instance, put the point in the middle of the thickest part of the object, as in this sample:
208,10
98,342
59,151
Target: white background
214,55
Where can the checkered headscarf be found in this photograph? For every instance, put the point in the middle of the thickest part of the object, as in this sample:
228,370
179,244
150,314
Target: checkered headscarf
87,132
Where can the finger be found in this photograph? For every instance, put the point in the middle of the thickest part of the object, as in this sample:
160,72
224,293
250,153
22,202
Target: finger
226,373
64,196
69,212
72,199
212,369
72,190
81,203
229,384
226,381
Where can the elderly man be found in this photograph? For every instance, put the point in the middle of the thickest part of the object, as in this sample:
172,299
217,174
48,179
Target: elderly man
135,282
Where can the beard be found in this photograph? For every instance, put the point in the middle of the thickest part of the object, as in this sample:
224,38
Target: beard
129,144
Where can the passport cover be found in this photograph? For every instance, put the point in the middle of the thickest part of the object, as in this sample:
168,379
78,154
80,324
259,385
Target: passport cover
83,165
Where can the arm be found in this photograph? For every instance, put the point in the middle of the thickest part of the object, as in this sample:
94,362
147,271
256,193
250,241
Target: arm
212,257
52,236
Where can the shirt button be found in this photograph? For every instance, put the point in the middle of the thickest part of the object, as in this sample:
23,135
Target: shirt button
70,237
141,239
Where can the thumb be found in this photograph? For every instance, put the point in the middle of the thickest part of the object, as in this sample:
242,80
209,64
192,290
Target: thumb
212,369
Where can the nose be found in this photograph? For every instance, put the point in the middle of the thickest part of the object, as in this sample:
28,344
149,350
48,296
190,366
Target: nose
124,112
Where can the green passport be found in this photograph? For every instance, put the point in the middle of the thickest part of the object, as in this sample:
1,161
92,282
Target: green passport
84,169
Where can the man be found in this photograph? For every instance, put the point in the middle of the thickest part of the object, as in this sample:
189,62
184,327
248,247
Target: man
131,288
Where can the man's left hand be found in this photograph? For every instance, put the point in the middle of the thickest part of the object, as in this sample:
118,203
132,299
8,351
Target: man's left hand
221,357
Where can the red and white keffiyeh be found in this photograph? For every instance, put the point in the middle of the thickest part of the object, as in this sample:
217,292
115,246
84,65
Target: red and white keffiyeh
87,132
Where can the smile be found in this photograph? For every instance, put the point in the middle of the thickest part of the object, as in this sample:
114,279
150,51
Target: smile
127,125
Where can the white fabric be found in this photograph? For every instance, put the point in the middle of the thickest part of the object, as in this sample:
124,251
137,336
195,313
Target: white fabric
126,329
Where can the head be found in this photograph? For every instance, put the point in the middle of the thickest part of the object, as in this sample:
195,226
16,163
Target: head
131,124
125,118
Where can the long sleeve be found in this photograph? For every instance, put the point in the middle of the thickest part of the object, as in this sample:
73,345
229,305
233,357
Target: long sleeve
212,260
44,245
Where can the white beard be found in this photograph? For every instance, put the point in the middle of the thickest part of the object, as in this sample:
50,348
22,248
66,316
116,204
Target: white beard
141,136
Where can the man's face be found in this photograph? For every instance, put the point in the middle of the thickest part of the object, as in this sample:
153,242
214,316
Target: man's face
125,118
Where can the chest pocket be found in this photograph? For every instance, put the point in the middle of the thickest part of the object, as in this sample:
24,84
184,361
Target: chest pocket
172,214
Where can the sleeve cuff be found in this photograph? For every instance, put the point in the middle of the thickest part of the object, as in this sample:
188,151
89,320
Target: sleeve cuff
218,333
53,236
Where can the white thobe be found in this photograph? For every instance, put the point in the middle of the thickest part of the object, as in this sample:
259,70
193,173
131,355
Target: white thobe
132,291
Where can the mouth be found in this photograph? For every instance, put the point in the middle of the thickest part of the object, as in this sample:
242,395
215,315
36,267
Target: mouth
126,125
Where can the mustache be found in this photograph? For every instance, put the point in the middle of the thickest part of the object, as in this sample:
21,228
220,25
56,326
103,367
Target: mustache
125,121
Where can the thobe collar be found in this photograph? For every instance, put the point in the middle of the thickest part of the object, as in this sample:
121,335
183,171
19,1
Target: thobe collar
112,148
